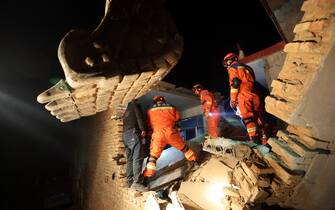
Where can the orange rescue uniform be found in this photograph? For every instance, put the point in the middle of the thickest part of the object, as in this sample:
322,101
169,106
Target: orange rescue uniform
162,119
242,79
211,112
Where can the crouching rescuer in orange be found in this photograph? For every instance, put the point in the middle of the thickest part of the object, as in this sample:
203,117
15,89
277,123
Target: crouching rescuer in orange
162,118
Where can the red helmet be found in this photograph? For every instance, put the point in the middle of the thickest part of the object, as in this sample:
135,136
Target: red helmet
229,59
158,98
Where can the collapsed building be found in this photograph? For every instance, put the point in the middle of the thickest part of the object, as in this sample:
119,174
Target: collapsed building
296,171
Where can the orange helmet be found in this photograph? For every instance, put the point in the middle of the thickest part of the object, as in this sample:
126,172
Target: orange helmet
197,87
158,98
229,59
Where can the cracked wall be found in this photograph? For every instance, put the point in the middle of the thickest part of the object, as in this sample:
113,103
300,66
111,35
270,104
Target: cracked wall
104,182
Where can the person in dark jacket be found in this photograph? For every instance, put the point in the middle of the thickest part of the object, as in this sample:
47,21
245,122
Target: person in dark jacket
134,131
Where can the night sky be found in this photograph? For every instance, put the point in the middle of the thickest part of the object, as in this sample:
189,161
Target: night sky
210,31
34,145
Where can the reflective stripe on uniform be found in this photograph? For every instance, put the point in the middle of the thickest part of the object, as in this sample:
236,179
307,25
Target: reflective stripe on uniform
250,130
233,90
151,166
189,153
161,108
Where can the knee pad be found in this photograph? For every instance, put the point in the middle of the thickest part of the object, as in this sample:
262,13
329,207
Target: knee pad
150,169
190,155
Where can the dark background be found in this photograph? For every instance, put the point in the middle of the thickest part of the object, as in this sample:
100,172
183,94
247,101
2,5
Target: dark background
35,146
212,29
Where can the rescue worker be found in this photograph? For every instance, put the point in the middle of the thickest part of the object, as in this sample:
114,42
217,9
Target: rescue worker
244,97
134,131
210,109
162,118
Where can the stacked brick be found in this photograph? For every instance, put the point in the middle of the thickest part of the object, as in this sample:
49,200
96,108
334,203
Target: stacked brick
313,38
105,182
267,175
252,184
259,178
294,149
273,65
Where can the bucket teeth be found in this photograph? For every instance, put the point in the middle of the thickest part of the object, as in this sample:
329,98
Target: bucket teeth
58,91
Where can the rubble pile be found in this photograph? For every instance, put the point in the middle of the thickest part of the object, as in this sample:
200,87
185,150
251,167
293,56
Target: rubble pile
259,174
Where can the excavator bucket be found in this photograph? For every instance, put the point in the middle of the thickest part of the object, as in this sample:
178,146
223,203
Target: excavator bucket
133,48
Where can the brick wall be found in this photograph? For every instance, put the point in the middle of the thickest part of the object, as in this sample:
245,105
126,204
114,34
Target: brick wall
273,65
105,185
301,83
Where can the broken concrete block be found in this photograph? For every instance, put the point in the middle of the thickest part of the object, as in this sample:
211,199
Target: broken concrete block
291,159
258,195
275,184
229,191
249,173
261,170
216,172
241,151
260,181
263,181
238,175
245,190
228,147
229,162
281,172
305,136
296,145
